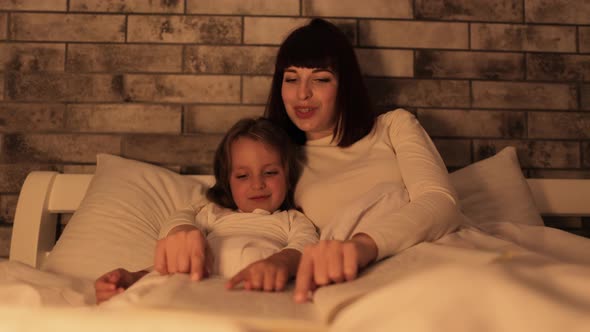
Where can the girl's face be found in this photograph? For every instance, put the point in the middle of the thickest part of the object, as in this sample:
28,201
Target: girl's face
257,176
309,95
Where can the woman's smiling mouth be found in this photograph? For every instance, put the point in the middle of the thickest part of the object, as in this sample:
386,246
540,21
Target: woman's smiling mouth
304,112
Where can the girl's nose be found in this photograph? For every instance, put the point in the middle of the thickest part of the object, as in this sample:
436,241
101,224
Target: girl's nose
258,182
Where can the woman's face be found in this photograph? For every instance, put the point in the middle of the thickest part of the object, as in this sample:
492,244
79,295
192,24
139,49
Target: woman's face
309,95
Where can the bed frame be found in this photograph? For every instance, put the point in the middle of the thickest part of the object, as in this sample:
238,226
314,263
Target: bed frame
45,195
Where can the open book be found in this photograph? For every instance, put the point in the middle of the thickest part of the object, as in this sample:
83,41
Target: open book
518,278
210,296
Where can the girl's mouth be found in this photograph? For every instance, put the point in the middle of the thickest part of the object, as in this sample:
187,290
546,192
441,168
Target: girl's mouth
259,198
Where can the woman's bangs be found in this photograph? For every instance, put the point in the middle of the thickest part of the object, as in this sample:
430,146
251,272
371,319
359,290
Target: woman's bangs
307,53
310,61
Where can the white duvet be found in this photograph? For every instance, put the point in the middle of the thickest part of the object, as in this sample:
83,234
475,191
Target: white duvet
498,277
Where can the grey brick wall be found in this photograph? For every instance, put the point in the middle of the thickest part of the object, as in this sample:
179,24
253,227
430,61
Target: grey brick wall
160,81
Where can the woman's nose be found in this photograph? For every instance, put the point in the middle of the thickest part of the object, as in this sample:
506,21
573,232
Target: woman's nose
304,90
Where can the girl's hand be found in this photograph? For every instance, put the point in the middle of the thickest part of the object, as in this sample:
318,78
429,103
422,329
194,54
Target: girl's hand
183,250
332,261
269,274
115,282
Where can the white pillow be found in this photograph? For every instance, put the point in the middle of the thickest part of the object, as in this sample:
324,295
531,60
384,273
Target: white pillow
118,221
495,190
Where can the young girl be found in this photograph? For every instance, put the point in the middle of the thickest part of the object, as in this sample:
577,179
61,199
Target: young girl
249,218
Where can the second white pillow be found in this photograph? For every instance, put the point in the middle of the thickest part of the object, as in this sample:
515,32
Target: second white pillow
118,221
495,190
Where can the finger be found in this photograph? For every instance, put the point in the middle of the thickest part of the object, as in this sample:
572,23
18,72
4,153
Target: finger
104,286
103,296
183,258
183,262
197,268
103,279
256,279
304,280
268,281
350,262
160,258
115,276
320,266
172,251
281,280
335,268
236,280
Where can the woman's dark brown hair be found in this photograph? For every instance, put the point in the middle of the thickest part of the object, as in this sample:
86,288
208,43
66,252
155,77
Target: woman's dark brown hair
320,44
264,131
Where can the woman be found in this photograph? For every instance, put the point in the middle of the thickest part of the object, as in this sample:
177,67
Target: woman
318,96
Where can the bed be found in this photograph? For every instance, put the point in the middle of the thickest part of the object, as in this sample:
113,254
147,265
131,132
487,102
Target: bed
501,270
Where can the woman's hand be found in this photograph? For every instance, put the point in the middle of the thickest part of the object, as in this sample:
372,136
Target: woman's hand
269,274
115,282
183,250
332,261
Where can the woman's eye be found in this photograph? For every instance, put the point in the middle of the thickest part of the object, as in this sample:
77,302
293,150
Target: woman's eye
324,80
290,80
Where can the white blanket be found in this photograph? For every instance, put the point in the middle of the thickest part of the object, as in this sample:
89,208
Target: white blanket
471,281
501,277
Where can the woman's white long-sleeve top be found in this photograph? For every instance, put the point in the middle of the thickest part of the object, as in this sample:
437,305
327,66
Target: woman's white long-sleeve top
397,155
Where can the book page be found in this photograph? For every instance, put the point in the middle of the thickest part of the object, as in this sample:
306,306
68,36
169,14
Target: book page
210,296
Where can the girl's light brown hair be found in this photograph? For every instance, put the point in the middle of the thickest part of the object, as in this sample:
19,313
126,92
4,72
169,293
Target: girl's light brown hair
264,131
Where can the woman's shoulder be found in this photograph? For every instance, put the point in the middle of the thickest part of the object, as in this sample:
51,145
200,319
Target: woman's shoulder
394,117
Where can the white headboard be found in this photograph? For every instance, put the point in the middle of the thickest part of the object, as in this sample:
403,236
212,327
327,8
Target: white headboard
44,195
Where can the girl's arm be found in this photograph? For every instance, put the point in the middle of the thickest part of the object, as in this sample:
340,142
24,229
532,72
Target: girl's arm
115,282
184,216
273,272
182,247
269,274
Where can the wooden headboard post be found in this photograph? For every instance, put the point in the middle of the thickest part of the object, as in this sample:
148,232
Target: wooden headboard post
33,232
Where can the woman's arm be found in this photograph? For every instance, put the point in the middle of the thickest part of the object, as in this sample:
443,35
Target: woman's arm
431,213
332,261
433,208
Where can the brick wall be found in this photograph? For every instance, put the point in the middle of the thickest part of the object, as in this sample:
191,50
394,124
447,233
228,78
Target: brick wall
160,81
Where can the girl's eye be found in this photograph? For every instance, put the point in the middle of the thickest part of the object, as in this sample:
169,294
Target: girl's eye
241,176
271,173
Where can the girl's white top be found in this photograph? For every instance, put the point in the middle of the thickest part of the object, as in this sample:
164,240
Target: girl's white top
237,239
